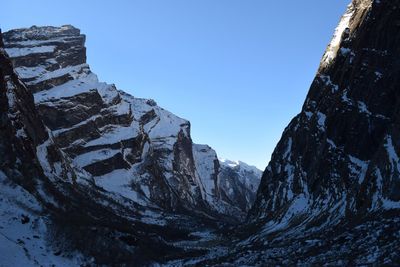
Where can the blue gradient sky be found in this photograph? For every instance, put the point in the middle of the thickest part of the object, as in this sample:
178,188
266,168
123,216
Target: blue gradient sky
239,70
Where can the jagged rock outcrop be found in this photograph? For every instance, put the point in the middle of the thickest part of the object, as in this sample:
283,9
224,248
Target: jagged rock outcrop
340,153
131,146
330,194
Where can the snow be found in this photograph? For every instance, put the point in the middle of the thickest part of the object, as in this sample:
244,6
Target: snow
119,181
21,133
30,72
327,80
41,153
155,218
333,47
138,105
204,158
168,125
331,143
24,51
25,243
378,197
116,134
10,95
94,156
298,206
108,93
73,71
249,175
378,75
308,114
358,168
321,120
392,154
345,98
288,150
68,89
389,204
145,189
363,108
289,169
345,51
239,164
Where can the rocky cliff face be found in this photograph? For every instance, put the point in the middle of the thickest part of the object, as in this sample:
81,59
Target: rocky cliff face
331,194
52,212
340,153
131,146
32,173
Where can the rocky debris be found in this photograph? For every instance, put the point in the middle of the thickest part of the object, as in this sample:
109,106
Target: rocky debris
131,146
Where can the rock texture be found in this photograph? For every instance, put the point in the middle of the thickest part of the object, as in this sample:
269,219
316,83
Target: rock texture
52,212
340,154
131,146
330,194
329,197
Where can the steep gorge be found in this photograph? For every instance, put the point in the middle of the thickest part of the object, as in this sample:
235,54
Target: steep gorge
122,174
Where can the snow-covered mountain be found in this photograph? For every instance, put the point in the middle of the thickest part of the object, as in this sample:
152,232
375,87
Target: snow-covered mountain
54,214
330,195
130,145
112,180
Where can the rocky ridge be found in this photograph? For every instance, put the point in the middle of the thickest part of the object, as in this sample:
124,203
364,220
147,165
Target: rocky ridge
131,146
54,214
330,194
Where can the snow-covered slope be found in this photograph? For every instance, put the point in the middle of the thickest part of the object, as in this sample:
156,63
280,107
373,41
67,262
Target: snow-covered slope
130,145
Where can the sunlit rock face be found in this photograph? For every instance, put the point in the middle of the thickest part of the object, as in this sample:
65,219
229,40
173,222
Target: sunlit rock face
130,145
53,211
32,173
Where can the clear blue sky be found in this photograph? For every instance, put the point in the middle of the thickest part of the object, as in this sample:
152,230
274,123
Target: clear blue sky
239,70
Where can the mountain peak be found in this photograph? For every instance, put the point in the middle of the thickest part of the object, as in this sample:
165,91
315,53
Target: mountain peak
130,145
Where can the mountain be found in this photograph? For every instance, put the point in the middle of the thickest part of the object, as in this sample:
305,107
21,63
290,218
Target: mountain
340,153
112,180
129,145
331,192
54,214
93,176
